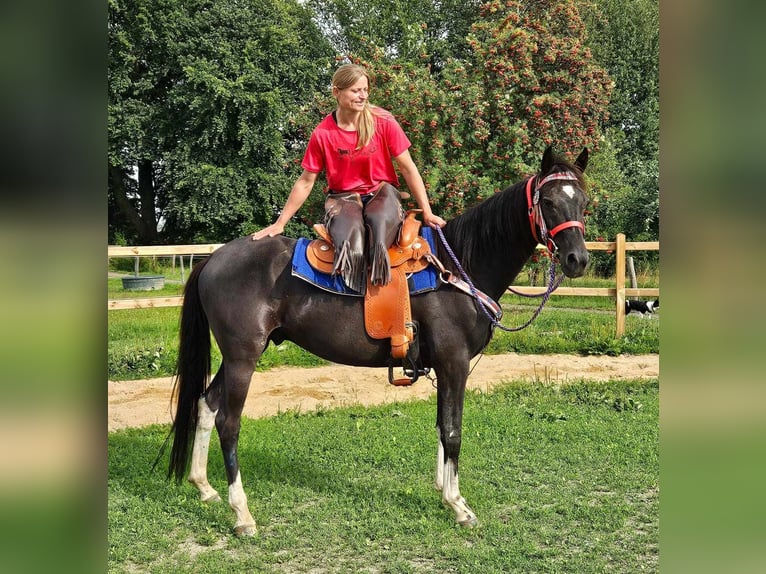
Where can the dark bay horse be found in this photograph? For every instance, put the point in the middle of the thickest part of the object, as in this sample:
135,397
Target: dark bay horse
245,293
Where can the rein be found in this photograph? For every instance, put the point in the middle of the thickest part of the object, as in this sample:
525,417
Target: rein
545,237
486,306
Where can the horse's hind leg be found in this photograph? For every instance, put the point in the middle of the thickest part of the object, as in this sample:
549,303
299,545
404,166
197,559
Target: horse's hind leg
206,413
235,387
450,397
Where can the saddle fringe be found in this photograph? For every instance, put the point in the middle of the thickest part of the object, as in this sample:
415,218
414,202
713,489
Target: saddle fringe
351,266
381,265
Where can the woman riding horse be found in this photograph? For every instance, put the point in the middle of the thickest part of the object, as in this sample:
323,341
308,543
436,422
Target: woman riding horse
357,146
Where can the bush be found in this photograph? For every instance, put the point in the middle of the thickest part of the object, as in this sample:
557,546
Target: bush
136,364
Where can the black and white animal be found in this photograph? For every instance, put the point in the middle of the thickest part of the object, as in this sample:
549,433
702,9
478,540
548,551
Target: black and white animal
642,307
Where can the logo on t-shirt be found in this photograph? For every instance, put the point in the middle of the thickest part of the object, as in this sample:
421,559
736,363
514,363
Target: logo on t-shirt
350,153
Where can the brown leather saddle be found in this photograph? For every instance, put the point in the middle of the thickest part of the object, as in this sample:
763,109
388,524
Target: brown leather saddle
387,312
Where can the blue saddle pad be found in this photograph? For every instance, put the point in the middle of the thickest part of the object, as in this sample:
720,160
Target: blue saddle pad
420,282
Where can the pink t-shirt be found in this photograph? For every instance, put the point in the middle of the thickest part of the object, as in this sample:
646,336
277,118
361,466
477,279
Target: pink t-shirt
349,169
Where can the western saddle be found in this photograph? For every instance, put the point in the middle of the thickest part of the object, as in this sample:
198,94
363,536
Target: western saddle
387,312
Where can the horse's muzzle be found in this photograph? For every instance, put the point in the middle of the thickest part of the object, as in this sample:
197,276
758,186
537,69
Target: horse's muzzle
574,263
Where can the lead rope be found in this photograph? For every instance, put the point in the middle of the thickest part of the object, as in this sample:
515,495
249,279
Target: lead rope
553,284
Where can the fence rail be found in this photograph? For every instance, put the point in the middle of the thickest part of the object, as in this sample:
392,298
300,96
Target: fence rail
619,291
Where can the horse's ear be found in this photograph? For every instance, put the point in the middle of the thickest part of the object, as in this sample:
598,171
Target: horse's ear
582,159
547,164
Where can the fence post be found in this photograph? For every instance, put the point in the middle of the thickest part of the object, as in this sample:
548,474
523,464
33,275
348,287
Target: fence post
632,272
620,284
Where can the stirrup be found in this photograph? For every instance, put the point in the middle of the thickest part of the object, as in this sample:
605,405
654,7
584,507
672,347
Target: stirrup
410,375
409,378
415,368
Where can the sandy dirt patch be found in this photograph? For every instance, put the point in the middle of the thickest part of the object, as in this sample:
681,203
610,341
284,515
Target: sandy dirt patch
144,402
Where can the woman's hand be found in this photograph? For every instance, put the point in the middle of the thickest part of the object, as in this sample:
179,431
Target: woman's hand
434,221
270,231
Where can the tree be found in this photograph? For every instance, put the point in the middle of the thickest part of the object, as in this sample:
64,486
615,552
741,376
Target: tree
624,37
200,94
542,84
483,121
401,29
211,103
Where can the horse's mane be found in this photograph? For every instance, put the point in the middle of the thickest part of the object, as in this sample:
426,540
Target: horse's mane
498,224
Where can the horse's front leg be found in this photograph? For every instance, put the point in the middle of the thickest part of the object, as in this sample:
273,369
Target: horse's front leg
236,384
450,397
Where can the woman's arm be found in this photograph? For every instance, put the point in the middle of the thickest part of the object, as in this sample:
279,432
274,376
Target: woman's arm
298,195
411,175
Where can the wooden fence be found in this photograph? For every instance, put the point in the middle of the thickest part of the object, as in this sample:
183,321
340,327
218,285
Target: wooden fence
620,291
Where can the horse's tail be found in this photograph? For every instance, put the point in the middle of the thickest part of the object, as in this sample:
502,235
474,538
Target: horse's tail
192,372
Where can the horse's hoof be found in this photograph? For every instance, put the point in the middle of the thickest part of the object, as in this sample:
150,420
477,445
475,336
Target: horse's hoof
215,497
470,522
245,530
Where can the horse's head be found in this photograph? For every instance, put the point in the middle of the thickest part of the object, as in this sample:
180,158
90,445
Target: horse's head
557,204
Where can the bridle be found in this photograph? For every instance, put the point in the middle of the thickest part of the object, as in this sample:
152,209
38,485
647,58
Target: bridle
536,219
492,309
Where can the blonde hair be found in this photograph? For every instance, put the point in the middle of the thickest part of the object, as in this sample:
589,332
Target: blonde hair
346,76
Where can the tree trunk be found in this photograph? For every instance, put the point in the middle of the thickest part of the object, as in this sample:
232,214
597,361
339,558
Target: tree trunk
121,199
148,203
143,221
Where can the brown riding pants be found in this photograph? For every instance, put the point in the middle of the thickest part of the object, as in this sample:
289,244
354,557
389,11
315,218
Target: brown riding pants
351,220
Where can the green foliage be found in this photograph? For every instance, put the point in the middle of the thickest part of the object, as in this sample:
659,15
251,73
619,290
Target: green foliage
211,104
199,95
141,363
481,122
564,478
142,343
543,85
128,265
403,30
624,38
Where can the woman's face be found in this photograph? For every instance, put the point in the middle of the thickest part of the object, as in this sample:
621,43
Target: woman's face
354,97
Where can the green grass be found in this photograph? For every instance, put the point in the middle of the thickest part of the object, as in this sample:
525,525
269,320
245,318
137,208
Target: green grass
158,265
577,302
116,291
570,331
143,342
562,478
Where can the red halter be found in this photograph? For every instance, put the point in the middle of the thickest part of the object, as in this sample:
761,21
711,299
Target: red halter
536,219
